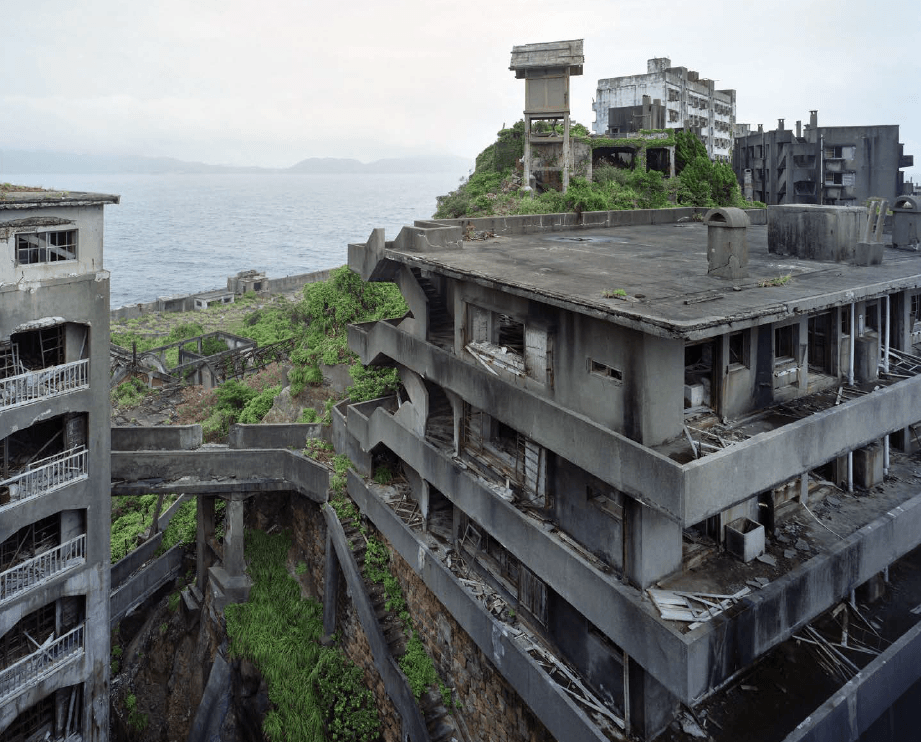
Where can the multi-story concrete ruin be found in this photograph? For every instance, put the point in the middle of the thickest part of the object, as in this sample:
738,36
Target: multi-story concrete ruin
843,165
54,467
620,423
675,97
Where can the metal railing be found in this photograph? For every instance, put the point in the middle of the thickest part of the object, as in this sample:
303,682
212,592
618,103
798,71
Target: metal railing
43,567
44,476
44,383
35,667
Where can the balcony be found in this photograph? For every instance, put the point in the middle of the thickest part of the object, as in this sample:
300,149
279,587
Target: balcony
49,658
45,383
41,568
44,476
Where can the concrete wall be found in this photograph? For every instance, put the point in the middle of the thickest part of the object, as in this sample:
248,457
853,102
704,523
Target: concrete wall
281,435
146,582
395,681
87,220
186,302
156,438
854,709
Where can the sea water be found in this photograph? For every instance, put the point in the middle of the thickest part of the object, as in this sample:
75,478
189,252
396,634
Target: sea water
180,234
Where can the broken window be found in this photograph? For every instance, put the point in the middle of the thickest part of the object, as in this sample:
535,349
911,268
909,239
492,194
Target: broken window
503,455
819,342
33,723
41,348
30,541
46,247
27,635
784,343
514,577
607,372
499,341
738,349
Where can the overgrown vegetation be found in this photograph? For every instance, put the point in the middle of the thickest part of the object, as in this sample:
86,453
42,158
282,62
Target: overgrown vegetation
131,516
129,393
136,719
316,693
494,188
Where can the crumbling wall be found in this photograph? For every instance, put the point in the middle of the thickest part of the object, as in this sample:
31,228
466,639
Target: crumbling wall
489,708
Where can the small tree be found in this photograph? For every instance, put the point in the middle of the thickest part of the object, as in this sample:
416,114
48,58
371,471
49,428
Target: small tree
688,147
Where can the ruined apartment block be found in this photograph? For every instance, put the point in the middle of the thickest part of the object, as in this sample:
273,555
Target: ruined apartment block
678,98
54,467
599,421
831,165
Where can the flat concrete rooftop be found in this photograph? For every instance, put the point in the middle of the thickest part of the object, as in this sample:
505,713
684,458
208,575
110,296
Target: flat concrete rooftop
655,276
21,197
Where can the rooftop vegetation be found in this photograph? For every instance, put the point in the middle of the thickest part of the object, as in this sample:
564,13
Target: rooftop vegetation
494,188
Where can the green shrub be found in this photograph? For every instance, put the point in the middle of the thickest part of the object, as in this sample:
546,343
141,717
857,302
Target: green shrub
129,393
257,407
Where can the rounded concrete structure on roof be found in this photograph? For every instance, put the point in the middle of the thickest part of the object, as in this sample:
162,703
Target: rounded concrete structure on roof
906,203
727,216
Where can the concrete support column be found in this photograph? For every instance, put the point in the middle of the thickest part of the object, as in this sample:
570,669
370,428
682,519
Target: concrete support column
526,158
205,531
330,588
653,544
651,706
567,155
234,561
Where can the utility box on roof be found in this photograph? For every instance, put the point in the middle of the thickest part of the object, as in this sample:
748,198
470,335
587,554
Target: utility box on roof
906,223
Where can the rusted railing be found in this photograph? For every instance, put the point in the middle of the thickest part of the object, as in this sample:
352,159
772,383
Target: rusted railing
33,668
43,476
44,383
43,567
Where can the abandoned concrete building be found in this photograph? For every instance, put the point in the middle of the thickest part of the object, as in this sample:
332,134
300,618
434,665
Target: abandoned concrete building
678,98
54,480
613,419
843,165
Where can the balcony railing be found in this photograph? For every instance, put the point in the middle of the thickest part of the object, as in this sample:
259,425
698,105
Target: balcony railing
47,382
34,668
44,476
46,565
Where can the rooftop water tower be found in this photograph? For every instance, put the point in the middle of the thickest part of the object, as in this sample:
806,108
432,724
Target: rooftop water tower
546,69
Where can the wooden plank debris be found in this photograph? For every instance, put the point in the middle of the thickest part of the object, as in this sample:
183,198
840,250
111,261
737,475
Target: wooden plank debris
691,607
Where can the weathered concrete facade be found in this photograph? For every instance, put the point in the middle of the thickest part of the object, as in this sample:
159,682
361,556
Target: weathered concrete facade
689,103
835,165
54,454
557,429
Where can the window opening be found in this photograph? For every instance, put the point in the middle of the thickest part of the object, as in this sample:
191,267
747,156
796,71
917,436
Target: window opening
30,541
41,348
511,334
784,343
46,247
607,372
33,629
819,342
698,374
738,349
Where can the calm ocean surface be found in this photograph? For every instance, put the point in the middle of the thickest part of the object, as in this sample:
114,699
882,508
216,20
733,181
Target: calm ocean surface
177,234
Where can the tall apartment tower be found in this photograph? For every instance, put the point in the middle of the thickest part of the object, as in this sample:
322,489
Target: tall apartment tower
690,102
54,467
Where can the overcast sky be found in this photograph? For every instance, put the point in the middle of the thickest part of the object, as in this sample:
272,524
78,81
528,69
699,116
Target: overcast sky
273,82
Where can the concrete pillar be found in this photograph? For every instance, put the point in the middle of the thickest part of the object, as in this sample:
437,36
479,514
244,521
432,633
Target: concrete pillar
653,544
651,706
727,244
526,159
567,156
234,561
205,531
330,588
71,524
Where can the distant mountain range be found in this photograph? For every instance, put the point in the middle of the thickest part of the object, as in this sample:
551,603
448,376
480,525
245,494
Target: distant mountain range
42,162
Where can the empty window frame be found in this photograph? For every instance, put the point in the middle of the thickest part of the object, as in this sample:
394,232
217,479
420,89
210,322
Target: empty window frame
784,343
820,343
605,371
738,349
46,247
